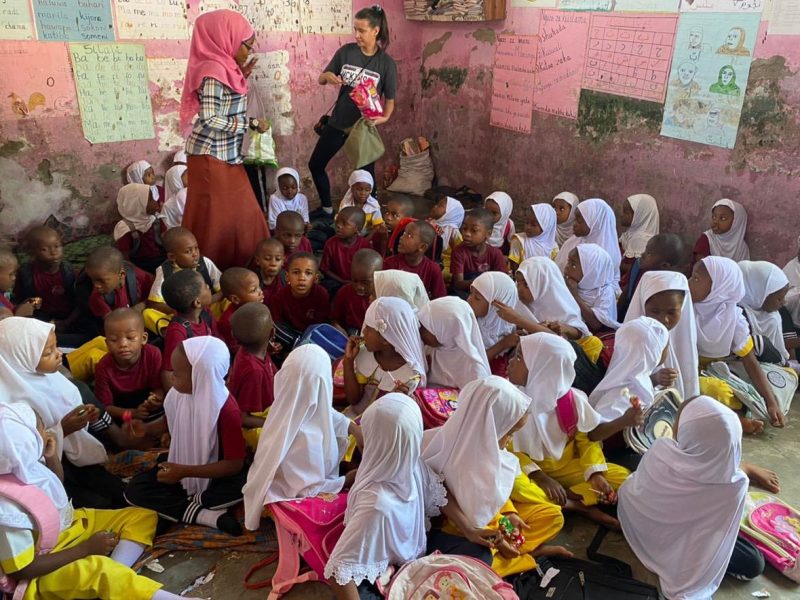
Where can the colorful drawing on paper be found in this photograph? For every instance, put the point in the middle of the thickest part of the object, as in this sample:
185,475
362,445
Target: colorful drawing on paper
657,6
37,81
710,68
15,20
560,61
785,18
152,20
73,21
513,83
534,3
629,55
734,6
586,4
269,83
112,92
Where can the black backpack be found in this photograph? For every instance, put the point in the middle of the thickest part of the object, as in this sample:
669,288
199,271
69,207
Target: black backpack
27,289
168,269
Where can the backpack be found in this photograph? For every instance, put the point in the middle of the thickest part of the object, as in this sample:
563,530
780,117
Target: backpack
326,337
27,289
782,380
659,421
436,405
774,528
187,325
448,577
46,518
167,268
567,414
136,236
747,394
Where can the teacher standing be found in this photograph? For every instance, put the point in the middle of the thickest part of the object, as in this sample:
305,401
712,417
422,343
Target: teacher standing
221,209
364,60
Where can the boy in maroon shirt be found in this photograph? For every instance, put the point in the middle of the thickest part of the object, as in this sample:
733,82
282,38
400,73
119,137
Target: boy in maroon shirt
337,256
9,265
350,304
303,302
268,264
289,230
416,239
474,255
252,375
128,377
115,282
239,286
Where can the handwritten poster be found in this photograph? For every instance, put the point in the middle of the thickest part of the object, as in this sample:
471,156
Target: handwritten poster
585,4
559,62
74,20
209,5
270,15
15,20
270,85
659,6
785,19
112,91
36,82
534,3
709,77
512,86
629,55
326,16
735,6
152,20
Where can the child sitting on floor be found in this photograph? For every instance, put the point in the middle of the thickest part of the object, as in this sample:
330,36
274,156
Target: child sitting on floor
640,216
287,196
239,286
138,235
115,282
350,304
595,223
726,236
500,205
252,374
475,255
9,266
128,377
399,211
205,470
416,240
590,277
446,215
268,264
359,194
142,172
765,290
337,257
564,205
400,284
663,252
289,228
539,238
302,302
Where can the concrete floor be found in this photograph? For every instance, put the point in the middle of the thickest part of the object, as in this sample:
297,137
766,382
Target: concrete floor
776,449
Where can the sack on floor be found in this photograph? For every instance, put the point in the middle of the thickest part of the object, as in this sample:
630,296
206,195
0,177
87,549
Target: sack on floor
415,174
436,405
364,144
782,380
659,421
447,576
774,527
742,390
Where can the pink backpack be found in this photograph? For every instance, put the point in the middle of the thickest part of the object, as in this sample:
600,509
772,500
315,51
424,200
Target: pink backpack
307,528
774,527
436,405
46,518
567,414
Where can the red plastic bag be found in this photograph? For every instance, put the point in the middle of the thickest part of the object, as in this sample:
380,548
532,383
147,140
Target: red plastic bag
367,100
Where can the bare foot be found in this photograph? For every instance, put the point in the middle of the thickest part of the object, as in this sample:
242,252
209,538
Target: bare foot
557,551
763,478
751,426
593,513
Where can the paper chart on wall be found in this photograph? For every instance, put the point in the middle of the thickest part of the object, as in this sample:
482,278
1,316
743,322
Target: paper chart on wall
657,6
270,80
629,55
710,68
271,15
785,19
152,20
559,62
306,16
513,82
534,3
734,6
37,81
605,5
326,16
73,21
112,91
15,20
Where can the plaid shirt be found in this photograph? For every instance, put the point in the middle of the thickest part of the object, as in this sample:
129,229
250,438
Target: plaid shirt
220,126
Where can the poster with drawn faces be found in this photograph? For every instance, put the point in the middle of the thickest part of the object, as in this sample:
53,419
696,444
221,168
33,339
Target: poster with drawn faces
710,67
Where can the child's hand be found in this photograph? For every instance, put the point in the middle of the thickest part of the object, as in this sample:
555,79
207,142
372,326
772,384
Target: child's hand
170,473
554,490
572,285
775,415
352,348
24,309
511,340
101,544
505,312
354,429
483,537
350,479
165,440
517,522
605,493
274,348
554,326
506,549
633,417
665,377
401,387
50,445
75,420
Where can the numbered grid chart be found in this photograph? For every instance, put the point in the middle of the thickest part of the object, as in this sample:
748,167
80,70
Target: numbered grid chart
630,55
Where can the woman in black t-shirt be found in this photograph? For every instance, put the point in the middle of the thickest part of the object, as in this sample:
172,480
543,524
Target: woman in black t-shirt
364,60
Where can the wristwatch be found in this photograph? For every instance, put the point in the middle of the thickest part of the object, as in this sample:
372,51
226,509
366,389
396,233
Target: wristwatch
254,123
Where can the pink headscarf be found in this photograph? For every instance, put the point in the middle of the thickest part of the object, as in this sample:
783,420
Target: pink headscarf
216,38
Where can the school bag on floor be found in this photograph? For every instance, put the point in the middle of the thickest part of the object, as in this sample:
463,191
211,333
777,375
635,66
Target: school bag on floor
659,421
782,380
774,527
326,337
436,405
742,391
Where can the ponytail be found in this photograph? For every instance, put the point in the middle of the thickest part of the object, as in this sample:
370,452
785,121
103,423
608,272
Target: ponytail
376,16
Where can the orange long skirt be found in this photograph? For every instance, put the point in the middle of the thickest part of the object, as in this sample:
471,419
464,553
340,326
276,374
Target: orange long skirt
222,211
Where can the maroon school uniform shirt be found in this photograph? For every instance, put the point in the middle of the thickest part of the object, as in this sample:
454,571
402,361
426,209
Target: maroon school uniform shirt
349,308
176,332
144,281
148,247
56,298
224,329
338,257
229,432
128,388
251,381
465,261
303,246
301,312
271,289
428,271
702,247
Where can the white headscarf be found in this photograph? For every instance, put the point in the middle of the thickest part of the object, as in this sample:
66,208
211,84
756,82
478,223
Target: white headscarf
192,418
303,438
565,229
493,285
461,356
21,449
466,452
542,244
602,223
180,158
173,209
360,176
716,316
400,284
135,174
598,287
730,245
51,395
551,298
761,279
396,321
132,206
680,510
506,204
792,272
451,220
638,347
173,181
285,171
682,353
550,361
643,227
393,494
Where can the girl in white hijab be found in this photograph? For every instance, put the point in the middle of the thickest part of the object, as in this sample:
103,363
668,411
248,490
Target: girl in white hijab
539,238
138,234
180,158
564,205
698,469
449,328
287,196
590,276
638,349
595,223
303,439
174,180
640,216
500,205
765,288
450,222
142,172
401,284
394,494
172,211
368,204
726,236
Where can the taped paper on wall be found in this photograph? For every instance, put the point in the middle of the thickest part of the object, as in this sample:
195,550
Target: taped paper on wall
152,20
513,82
15,20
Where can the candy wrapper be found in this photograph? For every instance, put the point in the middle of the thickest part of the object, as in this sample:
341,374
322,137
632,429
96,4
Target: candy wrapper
367,100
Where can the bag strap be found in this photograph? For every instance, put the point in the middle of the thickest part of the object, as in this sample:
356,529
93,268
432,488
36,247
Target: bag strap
130,283
593,553
38,505
567,414
343,87
260,585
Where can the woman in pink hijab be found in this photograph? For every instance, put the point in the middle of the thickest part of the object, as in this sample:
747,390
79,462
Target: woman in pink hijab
221,209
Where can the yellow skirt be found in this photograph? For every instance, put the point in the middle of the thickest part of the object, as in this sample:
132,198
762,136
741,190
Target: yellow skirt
83,361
